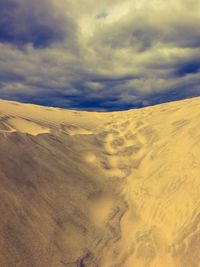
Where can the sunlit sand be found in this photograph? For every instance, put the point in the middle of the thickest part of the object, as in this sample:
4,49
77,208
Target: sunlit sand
118,189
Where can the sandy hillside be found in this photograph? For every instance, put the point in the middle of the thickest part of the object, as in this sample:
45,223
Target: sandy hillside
84,189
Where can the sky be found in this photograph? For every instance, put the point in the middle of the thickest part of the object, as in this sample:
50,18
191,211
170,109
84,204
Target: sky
99,55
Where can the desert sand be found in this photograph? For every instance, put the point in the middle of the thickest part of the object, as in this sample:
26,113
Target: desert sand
89,189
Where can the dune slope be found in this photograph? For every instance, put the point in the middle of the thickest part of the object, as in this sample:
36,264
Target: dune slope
91,189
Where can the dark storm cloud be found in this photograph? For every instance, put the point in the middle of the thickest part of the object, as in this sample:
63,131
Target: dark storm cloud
27,21
111,79
99,55
191,67
10,77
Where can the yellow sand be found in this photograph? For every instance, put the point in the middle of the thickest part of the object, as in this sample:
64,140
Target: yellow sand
148,164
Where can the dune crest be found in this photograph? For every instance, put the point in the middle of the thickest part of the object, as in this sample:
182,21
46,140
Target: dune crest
91,189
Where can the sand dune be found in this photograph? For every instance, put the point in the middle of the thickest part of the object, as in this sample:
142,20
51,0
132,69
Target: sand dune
91,189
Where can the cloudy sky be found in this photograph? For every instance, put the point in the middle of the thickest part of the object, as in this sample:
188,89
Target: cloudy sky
99,54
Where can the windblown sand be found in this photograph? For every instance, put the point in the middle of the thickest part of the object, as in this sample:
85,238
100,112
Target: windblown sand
89,189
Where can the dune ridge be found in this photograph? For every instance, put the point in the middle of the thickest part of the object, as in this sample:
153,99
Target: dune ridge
118,189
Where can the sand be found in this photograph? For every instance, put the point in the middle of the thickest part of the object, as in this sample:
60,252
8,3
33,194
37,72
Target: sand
118,189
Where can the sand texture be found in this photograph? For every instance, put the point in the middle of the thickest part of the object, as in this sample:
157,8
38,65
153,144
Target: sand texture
89,189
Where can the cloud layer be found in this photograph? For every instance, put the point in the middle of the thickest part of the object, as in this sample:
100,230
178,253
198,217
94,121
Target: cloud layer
99,55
